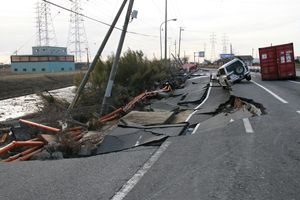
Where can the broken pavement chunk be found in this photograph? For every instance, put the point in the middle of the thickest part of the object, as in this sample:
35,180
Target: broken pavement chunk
147,118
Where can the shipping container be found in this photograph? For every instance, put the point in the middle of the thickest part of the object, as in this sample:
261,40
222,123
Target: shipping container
277,62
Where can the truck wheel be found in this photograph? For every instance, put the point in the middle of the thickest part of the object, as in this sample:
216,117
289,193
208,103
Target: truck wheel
248,78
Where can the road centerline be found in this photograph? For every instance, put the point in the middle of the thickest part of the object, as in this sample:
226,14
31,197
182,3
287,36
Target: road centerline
141,172
270,92
248,126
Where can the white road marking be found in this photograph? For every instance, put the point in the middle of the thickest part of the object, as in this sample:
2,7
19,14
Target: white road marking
248,127
207,95
195,129
198,77
295,82
208,92
127,187
298,111
269,91
190,116
140,173
138,141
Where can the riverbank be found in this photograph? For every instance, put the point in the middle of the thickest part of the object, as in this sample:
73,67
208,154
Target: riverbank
15,85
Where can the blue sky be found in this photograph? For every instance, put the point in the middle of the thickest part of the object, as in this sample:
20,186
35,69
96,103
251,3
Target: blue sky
247,24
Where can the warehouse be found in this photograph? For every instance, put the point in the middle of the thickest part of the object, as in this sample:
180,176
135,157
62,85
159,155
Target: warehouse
43,59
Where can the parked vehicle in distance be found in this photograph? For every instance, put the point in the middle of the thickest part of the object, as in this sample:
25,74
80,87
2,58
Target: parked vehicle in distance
233,72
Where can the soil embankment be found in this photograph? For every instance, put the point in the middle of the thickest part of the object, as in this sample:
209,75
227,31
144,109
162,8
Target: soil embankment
14,85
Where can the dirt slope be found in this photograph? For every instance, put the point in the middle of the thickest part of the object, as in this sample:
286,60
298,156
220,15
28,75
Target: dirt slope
13,85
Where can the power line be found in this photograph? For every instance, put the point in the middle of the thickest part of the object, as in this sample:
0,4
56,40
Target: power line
96,20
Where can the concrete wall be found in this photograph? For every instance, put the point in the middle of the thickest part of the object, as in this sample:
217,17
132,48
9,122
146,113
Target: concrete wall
38,67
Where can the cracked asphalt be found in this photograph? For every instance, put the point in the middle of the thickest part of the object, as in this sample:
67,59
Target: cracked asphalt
221,163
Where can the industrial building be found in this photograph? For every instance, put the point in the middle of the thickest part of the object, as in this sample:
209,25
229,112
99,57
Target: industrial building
43,59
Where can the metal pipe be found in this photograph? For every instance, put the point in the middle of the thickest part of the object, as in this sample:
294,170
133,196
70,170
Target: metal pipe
14,157
94,62
115,65
40,126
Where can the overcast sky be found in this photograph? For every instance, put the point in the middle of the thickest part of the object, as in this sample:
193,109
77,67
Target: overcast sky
246,23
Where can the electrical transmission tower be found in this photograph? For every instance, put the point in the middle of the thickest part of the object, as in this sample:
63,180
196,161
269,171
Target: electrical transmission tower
213,42
225,43
44,25
77,39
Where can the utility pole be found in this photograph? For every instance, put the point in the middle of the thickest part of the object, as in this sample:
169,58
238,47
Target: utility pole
213,42
170,46
180,30
115,65
204,48
87,58
175,48
166,30
96,58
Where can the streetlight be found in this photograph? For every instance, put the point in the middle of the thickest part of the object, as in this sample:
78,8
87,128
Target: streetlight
160,29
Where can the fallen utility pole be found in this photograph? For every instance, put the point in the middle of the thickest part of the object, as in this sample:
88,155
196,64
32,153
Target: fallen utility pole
115,65
177,61
96,58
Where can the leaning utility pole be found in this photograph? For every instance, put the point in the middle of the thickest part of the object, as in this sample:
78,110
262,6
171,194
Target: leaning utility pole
96,58
115,65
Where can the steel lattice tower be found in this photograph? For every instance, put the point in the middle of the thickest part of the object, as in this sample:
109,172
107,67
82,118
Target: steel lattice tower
225,43
77,39
44,25
213,42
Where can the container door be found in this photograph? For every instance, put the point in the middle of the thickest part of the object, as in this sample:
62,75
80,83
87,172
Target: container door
286,63
268,62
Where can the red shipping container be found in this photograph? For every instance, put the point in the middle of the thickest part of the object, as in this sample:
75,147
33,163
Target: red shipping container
277,62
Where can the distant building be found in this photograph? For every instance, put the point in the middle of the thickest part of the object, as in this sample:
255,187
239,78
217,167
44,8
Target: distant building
43,59
298,58
247,59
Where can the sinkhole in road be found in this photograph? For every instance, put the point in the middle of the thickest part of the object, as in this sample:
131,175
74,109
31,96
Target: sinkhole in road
234,109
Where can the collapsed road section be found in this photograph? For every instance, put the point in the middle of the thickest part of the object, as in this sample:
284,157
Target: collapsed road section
134,129
166,113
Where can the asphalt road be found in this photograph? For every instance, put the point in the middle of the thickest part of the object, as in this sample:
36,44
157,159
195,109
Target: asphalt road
231,162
